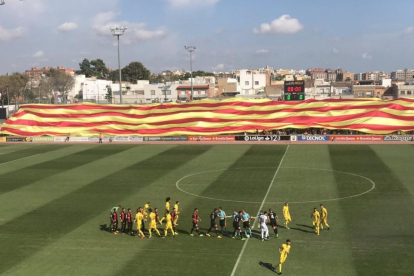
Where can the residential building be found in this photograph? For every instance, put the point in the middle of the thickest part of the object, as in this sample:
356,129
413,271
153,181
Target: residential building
37,72
251,83
94,90
406,75
200,91
344,76
331,75
406,91
227,87
156,93
317,73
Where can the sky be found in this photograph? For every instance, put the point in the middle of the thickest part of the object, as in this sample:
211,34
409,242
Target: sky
355,35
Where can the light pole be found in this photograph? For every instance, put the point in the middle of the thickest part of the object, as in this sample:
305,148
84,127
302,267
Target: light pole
164,89
98,92
191,49
86,92
118,31
8,102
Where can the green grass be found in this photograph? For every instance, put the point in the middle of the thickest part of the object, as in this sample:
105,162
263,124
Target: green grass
54,199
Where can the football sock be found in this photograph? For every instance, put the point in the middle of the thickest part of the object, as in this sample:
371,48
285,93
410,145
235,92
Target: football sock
192,229
280,267
250,232
245,232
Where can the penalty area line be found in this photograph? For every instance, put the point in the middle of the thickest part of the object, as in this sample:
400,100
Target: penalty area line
260,208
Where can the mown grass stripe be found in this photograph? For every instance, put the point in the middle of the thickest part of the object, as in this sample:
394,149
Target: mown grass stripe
23,200
28,152
377,221
26,176
73,210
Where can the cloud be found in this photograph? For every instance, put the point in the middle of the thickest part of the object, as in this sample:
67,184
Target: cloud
194,3
67,27
409,30
262,51
9,34
282,25
39,54
366,56
103,22
335,51
219,67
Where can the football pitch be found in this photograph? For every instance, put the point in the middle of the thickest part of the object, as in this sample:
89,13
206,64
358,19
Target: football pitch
56,200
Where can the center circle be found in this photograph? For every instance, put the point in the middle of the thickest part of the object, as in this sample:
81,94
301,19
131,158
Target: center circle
188,187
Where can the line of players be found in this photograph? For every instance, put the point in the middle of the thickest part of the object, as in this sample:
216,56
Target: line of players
143,214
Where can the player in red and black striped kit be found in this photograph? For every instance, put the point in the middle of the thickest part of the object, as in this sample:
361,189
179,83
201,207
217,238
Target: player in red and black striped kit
114,220
195,219
130,220
122,217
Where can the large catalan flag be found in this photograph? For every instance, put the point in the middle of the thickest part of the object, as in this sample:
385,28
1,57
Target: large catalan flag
211,117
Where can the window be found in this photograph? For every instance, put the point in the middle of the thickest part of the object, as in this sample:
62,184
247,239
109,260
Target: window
256,83
203,92
182,93
246,83
402,93
409,92
360,94
152,92
168,92
369,94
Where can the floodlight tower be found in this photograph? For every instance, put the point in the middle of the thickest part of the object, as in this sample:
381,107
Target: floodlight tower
119,31
191,49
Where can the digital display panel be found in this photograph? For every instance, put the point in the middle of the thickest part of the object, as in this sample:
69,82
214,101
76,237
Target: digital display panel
294,90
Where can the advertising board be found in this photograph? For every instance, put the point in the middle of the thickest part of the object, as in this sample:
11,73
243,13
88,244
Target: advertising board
211,138
356,138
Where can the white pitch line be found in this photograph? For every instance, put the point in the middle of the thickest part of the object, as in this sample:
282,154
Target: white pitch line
261,206
20,159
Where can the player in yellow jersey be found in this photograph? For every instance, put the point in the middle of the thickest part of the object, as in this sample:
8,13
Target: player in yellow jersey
153,223
139,217
168,225
145,213
316,220
167,205
324,217
286,214
284,251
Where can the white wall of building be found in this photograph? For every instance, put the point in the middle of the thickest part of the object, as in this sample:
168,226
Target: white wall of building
153,92
79,80
95,90
251,83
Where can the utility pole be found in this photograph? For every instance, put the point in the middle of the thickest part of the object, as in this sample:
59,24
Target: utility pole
119,31
191,49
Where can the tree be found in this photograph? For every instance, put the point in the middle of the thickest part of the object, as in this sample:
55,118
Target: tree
44,88
60,82
99,69
133,72
108,95
17,85
85,68
95,68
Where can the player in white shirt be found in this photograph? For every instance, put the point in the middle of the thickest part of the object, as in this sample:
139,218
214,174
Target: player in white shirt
263,226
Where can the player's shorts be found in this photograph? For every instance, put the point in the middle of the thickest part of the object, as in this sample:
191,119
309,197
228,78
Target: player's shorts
324,220
273,223
153,225
246,224
195,224
282,259
288,218
236,226
139,226
213,224
222,223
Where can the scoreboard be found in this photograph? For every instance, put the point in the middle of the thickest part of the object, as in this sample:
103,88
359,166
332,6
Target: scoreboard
294,90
